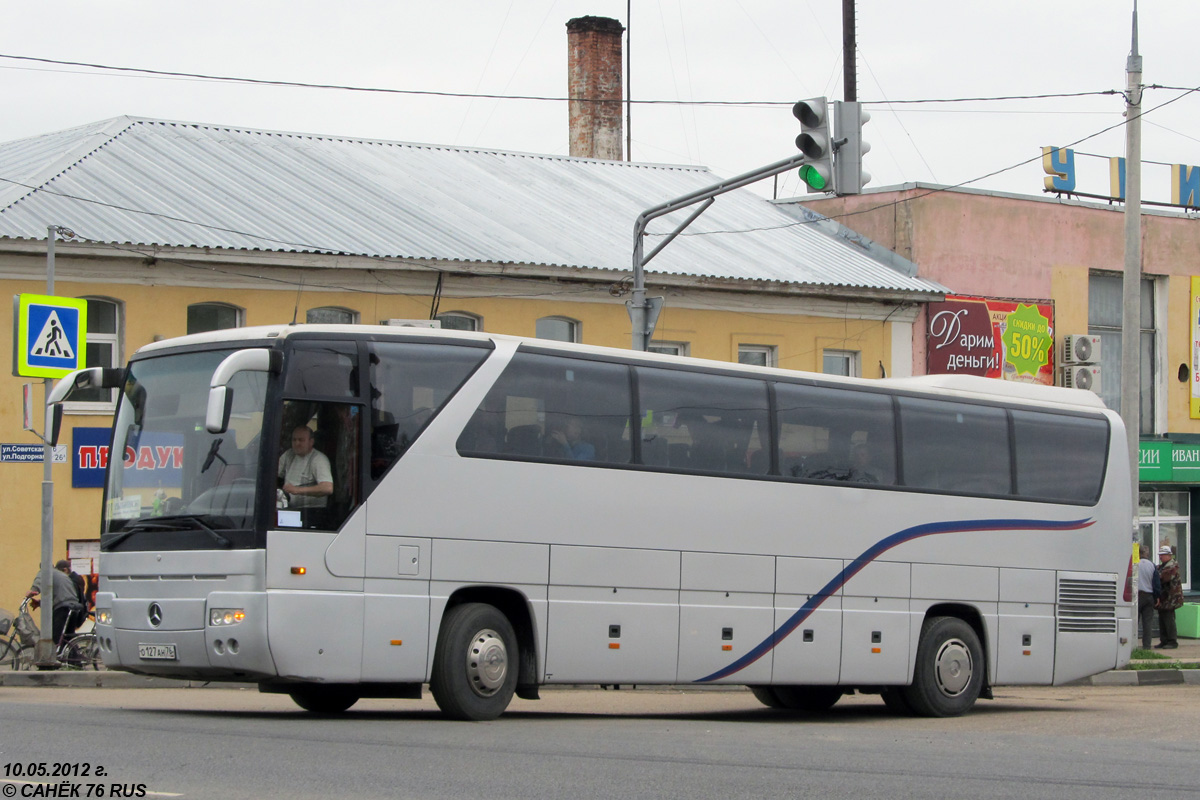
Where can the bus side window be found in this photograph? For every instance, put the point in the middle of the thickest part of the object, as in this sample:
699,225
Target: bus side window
955,447
701,422
830,434
408,384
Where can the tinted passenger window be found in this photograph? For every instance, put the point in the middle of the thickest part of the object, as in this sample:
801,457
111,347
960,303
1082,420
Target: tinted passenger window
408,384
836,435
322,368
703,423
555,408
955,447
1059,457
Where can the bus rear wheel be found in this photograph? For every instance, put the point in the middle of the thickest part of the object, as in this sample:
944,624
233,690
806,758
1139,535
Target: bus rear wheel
324,699
949,670
475,663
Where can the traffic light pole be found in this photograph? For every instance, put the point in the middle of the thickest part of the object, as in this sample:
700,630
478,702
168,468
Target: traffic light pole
643,314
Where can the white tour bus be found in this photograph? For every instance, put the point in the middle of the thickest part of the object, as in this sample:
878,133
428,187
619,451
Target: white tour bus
488,514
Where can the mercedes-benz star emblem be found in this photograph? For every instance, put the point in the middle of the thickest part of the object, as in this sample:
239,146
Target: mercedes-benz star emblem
156,616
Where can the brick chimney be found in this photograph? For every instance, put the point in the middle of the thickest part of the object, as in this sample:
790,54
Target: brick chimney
594,75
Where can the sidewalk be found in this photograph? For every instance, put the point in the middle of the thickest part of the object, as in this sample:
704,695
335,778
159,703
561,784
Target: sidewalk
1163,673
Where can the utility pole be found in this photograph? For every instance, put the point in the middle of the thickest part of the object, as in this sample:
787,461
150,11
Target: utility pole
849,64
1131,316
43,652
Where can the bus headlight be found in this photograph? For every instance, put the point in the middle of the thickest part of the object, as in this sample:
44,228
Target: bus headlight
225,616
103,616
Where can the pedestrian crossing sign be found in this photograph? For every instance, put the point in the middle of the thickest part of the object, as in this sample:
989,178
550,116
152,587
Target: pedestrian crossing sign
49,335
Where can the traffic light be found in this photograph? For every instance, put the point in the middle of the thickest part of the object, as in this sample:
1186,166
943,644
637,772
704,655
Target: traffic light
814,141
848,175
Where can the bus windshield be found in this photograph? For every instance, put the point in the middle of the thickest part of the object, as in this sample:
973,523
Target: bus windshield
176,485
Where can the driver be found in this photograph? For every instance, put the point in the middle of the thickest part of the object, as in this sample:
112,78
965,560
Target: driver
307,477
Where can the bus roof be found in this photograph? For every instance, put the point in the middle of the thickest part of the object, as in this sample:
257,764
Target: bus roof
965,386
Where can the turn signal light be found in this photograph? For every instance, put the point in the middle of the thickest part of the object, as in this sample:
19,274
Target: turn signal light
225,616
299,570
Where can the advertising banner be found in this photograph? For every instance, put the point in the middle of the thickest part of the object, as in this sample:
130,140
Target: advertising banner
1004,339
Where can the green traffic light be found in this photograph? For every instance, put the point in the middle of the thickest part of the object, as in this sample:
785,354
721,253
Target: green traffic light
812,177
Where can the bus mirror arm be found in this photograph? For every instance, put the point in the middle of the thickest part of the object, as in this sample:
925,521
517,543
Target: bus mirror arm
90,378
220,395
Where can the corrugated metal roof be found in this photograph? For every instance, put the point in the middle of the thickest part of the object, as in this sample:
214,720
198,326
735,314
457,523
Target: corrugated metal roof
155,182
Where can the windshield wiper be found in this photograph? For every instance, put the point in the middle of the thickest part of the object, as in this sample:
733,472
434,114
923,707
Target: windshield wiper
187,522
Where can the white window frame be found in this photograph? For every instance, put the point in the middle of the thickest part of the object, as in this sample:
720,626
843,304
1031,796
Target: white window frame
770,351
851,358
475,319
670,348
354,315
117,360
1154,517
239,314
576,328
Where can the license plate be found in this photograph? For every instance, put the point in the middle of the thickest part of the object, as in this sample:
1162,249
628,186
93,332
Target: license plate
156,652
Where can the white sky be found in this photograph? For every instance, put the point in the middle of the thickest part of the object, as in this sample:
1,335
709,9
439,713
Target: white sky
741,50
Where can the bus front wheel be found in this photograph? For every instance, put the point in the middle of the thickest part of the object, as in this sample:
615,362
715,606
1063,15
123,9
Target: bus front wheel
475,663
949,670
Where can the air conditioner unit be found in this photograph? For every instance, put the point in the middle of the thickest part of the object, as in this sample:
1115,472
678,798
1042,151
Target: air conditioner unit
413,323
1082,376
1080,348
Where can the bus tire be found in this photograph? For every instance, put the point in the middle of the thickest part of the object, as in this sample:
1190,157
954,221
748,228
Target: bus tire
766,695
324,699
949,669
811,699
475,665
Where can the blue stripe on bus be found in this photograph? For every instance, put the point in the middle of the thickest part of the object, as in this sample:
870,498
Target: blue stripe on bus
872,553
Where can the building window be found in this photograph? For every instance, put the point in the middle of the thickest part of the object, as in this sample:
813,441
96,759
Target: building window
202,317
668,348
758,355
559,329
841,362
1104,320
103,350
331,315
1164,518
460,321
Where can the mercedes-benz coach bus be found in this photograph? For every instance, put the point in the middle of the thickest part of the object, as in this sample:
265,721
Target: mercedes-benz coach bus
338,512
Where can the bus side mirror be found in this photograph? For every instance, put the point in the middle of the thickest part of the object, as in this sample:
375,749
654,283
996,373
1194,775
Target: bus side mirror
90,378
220,396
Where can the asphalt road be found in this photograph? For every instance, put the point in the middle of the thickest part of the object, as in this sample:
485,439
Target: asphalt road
1072,742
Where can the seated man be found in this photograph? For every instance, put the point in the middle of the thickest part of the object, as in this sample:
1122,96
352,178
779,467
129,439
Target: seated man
567,442
305,471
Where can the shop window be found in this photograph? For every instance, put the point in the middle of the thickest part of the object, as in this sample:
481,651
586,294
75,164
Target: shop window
204,317
1164,518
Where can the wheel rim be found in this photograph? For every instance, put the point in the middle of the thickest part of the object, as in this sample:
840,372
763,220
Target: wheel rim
953,667
487,663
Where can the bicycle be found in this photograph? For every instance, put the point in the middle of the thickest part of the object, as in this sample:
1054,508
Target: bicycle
79,651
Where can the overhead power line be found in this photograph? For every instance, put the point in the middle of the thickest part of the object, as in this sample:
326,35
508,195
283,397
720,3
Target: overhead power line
541,98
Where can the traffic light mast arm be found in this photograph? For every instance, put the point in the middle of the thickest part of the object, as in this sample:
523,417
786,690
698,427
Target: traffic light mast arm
642,332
